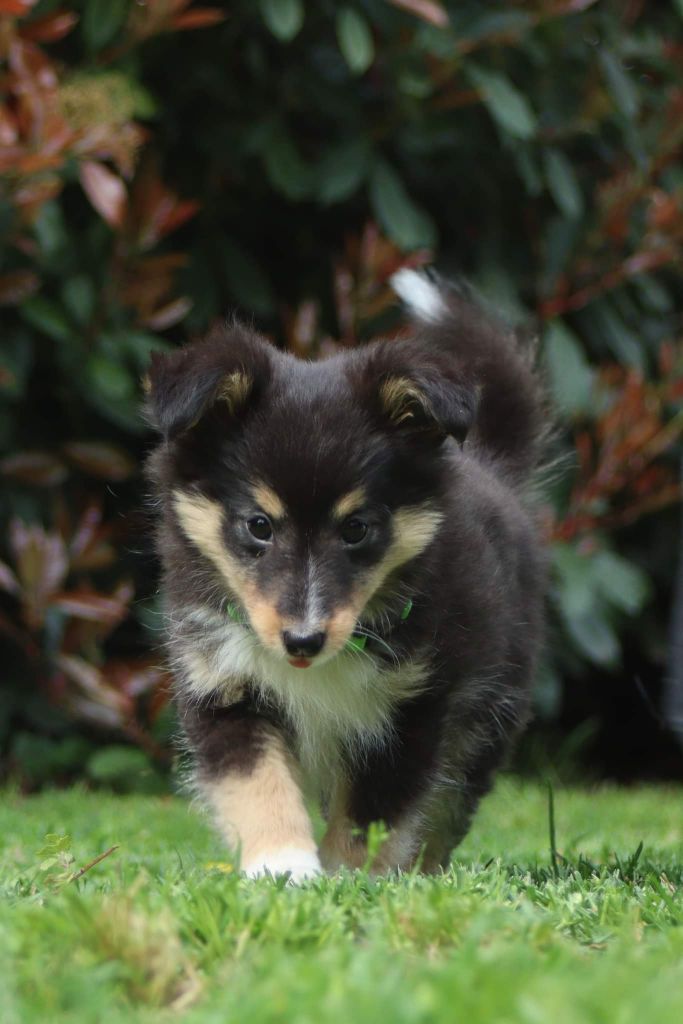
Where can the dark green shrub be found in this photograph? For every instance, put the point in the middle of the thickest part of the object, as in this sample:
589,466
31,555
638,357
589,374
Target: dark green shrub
166,163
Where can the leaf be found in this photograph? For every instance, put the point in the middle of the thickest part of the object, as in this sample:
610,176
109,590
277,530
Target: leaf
571,377
110,379
8,581
408,225
17,286
596,639
619,84
198,17
427,10
169,314
488,24
508,107
90,606
284,18
562,182
47,317
16,8
621,339
94,698
576,593
581,596
105,190
355,40
286,170
41,564
102,20
38,468
50,229
78,295
622,583
342,171
98,459
51,27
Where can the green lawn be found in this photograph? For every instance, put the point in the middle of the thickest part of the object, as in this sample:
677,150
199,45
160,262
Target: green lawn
162,930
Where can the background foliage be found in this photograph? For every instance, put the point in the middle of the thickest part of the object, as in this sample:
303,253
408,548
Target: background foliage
164,163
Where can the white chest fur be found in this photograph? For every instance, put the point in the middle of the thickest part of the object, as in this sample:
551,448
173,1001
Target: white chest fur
349,697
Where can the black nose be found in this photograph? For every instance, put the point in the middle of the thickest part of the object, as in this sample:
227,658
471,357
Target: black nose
303,646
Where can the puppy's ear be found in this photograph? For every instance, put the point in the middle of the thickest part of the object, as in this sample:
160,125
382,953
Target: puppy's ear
426,403
226,371
421,393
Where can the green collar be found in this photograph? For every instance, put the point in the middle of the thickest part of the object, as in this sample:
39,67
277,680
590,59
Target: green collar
235,614
356,642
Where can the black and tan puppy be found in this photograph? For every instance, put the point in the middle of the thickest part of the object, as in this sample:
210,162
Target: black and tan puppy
352,577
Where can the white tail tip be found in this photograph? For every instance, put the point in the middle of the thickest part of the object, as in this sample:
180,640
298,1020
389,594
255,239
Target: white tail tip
421,295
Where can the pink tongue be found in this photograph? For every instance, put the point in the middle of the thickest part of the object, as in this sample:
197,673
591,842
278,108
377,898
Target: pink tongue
300,662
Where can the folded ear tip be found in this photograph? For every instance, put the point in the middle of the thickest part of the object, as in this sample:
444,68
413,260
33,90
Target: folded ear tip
185,383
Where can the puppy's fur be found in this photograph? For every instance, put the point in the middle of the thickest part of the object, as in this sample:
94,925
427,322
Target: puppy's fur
353,578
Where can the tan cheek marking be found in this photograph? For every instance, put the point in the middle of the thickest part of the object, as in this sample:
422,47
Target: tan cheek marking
414,529
263,811
264,618
269,501
340,625
349,503
202,522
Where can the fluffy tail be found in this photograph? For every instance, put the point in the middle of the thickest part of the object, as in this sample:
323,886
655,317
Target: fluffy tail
511,415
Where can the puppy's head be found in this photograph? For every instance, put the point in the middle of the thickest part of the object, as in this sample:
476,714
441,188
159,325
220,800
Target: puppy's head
305,487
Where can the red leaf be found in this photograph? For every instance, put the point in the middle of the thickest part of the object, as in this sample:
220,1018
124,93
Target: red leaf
17,286
180,212
106,461
87,605
50,28
136,677
200,17
170,314
100,703
105,190
38,468
16,8
42,564
427,10
8,128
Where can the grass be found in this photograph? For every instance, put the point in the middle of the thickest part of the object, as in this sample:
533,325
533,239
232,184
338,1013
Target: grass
162,930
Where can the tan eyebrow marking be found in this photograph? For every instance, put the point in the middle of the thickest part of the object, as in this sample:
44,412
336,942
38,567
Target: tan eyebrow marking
266,499
348,503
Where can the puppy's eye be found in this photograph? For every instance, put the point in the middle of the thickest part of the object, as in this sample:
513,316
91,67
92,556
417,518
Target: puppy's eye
260,528
354,531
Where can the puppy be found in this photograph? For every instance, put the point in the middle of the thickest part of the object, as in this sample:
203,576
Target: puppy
353,579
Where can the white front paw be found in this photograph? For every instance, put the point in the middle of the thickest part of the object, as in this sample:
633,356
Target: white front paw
299,864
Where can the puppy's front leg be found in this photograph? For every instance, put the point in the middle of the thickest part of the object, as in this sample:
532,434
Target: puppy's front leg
249,778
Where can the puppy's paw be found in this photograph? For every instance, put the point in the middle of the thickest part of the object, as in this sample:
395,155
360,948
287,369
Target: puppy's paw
299,864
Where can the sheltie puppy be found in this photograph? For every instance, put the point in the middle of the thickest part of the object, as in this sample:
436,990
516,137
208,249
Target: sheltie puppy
353,579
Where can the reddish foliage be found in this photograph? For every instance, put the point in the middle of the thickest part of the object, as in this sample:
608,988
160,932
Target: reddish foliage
622,473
